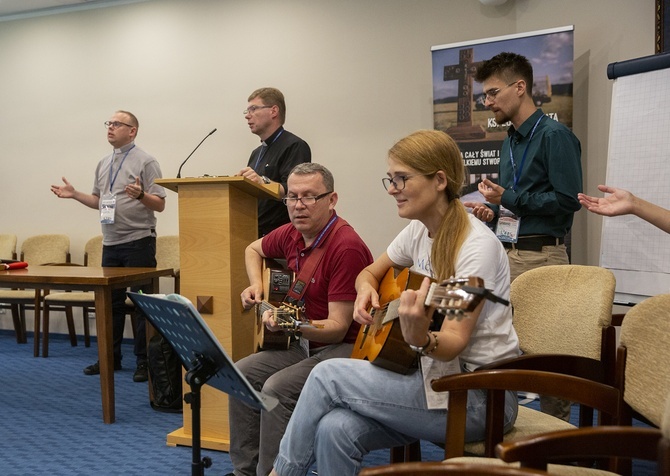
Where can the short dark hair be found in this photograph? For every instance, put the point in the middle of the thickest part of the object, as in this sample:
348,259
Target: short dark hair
133,120
271,97
309,168
509,67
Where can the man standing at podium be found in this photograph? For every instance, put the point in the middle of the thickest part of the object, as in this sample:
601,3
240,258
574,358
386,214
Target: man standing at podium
325,254
127,198
278,153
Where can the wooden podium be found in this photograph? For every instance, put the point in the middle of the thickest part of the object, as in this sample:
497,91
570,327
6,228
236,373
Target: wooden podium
218,218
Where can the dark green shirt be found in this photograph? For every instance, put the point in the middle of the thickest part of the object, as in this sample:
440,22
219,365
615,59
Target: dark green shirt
545,196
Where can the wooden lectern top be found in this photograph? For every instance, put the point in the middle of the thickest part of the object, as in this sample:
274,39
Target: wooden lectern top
242,183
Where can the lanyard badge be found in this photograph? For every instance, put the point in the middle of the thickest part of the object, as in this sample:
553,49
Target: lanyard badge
107,208
108,202
507,229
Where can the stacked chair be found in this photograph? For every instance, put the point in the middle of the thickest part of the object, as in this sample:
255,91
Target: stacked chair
643,375
640,390
8,251
167,256
562,315
7,246
447,469
35,250
66,301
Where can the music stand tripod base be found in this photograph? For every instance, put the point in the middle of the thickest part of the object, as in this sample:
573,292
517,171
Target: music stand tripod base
203,357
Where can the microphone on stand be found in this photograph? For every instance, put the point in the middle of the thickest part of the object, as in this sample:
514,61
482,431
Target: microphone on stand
196,148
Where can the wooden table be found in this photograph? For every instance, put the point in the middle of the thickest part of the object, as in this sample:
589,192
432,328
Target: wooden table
101,281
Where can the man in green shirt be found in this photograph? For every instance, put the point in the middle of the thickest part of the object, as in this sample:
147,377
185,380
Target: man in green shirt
540,170
533,204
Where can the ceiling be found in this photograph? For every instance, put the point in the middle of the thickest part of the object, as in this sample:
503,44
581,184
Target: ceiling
15,9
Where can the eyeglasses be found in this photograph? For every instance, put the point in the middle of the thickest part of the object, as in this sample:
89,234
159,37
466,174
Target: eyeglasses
116,124
307,201
252,109
492,93
399,181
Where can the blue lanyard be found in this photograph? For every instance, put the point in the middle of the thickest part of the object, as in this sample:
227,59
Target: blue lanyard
263,149
318,239
517,173
111,164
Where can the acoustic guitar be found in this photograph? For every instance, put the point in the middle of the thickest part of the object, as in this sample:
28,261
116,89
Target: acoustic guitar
382,342
289,316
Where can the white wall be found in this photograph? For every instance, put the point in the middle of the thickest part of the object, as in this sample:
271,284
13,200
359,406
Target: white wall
356,75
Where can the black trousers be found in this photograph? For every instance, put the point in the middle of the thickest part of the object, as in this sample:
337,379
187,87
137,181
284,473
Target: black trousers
135,254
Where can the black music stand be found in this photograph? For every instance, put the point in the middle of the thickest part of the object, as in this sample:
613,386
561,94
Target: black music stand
203,357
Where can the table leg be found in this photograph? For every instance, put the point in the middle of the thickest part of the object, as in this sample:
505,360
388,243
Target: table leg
103,324
36,325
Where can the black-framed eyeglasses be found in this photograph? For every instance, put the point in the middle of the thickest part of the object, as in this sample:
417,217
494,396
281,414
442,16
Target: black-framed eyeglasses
492,93
307,201
116,124
399,180
252,109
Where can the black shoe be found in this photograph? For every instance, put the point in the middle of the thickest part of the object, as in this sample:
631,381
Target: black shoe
142,373
95,368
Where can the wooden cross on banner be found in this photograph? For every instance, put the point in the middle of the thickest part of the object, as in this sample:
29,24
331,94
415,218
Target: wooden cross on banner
464,72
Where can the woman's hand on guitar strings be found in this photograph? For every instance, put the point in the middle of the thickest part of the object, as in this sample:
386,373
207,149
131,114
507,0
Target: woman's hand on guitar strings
412,312
367,298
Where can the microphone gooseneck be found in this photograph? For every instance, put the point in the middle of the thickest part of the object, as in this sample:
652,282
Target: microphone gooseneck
196,148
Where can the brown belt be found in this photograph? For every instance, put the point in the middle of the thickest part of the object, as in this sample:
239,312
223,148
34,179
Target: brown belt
534,243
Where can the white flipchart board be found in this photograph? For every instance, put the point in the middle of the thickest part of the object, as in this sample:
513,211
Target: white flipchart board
639,160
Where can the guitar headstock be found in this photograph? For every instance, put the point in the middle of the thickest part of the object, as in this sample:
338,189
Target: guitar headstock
455,297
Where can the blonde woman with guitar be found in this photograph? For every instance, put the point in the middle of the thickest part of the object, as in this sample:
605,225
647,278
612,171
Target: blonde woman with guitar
350,407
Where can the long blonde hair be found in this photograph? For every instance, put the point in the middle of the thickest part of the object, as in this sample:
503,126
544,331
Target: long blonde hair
427,152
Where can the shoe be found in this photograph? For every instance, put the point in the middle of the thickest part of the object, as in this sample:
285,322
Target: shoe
95,368
142,373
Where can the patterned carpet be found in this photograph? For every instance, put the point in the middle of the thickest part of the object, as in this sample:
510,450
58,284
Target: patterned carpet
51,420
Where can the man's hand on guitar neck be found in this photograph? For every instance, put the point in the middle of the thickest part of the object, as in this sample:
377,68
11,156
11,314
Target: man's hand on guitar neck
269,321
414,321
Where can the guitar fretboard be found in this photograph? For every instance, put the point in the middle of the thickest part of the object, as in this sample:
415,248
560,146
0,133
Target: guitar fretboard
388,311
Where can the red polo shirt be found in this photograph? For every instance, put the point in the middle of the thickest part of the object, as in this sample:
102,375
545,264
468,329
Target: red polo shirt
334,278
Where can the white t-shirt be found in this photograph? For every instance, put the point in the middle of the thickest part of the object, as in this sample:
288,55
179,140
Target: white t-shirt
481,255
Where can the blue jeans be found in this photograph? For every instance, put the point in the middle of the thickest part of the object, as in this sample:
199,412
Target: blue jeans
135,254
349,407
255,434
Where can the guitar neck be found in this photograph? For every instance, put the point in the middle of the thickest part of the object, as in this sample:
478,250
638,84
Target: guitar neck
282,314
287,316
266,306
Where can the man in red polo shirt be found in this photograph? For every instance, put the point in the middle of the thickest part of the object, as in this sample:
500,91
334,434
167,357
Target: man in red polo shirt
315,229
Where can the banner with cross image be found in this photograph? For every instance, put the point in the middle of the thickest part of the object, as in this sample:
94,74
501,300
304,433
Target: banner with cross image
458,102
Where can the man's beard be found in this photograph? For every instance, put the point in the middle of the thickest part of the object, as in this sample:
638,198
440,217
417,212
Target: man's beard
502,119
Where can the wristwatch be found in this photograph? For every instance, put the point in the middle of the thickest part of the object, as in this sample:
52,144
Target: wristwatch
141,195
266,180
